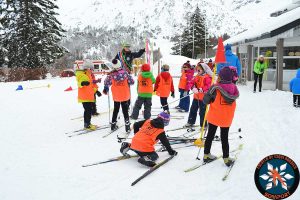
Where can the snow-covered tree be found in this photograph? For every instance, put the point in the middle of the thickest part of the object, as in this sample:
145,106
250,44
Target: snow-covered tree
32,33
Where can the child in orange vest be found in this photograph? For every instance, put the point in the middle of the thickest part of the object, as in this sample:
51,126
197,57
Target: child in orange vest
120,82
200,85
222,99
147,133
145,90
164,86
86,91
184,87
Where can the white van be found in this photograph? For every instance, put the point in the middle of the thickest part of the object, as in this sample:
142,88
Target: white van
100,66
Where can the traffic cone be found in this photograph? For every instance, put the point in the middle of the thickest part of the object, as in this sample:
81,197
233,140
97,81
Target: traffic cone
68,89
20,87
220,54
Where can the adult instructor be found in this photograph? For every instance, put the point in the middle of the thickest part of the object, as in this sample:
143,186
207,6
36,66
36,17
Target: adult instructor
125,56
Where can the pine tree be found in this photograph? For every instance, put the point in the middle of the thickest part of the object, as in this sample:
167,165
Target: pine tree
33,34
193,36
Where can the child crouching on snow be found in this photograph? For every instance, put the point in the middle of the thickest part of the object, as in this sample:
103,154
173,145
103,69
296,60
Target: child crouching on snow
147,133
222,99
295,88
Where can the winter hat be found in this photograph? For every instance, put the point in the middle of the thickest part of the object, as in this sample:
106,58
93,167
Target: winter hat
165,116
126,44
228,47
165,68
225,75
187,64
116,64
87,64
146,67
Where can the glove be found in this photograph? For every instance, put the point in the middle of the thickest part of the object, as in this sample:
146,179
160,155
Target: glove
185,93
97,81
98,93
85,83
105,91
173,94
195,90
173,153
200,90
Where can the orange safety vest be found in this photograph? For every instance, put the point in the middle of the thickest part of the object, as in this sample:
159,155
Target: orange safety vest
199,83
145,139
220,112
182,81
86,93
120,90
145,85
164,87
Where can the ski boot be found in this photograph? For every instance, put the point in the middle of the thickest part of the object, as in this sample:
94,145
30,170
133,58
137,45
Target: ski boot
113,126
90,127
125,147
209,158
145,160
188,125
228,161
127,126
177,107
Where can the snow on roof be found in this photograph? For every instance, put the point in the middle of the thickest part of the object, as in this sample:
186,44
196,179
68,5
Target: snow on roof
265,27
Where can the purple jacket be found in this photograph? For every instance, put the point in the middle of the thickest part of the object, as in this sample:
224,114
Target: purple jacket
119,75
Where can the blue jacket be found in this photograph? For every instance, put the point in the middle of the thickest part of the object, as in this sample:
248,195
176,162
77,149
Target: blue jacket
295,83
231,60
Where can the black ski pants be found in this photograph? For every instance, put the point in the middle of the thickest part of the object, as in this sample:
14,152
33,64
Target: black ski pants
125,107
224,139
259,77
296,100
87,115
164,103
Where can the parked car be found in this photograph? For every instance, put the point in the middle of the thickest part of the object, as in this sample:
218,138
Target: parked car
67,73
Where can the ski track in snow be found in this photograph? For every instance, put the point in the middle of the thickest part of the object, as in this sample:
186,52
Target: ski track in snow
39,161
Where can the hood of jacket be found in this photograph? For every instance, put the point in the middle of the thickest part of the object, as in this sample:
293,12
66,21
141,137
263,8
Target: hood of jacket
157,123
229,98
165,75
119,75
146,74
298,73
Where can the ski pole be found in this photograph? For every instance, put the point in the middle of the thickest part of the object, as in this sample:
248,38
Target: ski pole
108,107
177,100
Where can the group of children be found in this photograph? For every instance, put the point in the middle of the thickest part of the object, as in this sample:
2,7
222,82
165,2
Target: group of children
221,97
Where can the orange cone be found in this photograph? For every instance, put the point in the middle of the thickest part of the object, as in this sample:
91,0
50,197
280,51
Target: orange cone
68,89
220,54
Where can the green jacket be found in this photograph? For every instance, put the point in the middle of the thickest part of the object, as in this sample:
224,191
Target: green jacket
259,68
146,75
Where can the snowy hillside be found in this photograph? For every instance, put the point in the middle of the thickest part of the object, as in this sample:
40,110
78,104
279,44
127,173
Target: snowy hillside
166,17
39,161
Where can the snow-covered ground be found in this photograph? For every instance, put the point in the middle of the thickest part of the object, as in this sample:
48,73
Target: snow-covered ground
38,160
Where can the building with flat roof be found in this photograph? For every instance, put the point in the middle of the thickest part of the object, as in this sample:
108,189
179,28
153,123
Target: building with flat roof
278,39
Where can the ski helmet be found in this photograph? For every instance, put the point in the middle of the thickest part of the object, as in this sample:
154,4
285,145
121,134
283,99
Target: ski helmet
87,64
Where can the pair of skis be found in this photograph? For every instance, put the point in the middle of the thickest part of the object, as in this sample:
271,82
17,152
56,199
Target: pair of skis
85,131
238,150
